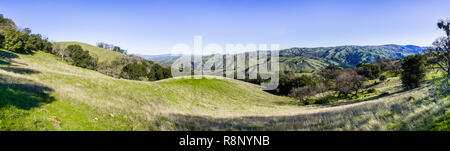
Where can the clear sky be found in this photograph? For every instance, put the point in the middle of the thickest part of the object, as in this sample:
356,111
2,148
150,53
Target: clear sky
153,27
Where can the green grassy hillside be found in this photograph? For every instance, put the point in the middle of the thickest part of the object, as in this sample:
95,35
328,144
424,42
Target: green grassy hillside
102,54
41,92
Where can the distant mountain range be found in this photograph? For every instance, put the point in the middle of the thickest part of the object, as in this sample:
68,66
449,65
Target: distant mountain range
313,59
164,59
158,57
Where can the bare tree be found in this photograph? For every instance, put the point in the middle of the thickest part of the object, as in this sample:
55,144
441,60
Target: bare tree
349,81
321,88
302,93
59,51
397,67
441,51
330,75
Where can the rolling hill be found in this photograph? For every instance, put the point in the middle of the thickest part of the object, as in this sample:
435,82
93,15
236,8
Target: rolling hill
41,92
44,93
103,55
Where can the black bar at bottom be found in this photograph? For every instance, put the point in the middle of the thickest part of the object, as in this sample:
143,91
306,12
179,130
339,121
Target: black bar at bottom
232,141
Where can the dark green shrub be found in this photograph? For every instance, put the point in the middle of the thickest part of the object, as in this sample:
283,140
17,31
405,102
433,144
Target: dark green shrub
36,42
413,71
23,41
306,102
288,81
383,78
2,39
80,57
384,94
371,90
326,99
134,71
156,73
369,71
13,41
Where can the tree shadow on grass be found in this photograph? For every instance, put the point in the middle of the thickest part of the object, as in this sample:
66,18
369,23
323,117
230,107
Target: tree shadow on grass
20,70
357,118
23,93
5,57
19,92
4,62
4,54
314,121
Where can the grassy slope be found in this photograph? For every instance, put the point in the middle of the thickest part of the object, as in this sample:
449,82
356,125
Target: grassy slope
40,92
102,54
83,100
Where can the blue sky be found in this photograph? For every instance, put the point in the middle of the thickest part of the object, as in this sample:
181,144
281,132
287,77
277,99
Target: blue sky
153,27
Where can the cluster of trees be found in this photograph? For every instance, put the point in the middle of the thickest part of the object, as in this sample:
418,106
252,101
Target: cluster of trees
289,80
23,41
134,71
158,72
345,82
134,68
371,71
393,65
124,66
348,82
111,47
145,70
81,58
6,23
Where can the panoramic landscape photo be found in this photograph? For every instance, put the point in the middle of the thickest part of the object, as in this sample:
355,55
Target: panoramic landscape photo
309,65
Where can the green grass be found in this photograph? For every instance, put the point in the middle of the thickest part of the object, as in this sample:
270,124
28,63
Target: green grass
41,92
102,54
440,122
389,74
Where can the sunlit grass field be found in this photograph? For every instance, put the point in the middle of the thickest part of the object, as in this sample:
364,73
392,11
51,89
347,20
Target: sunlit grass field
41,92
